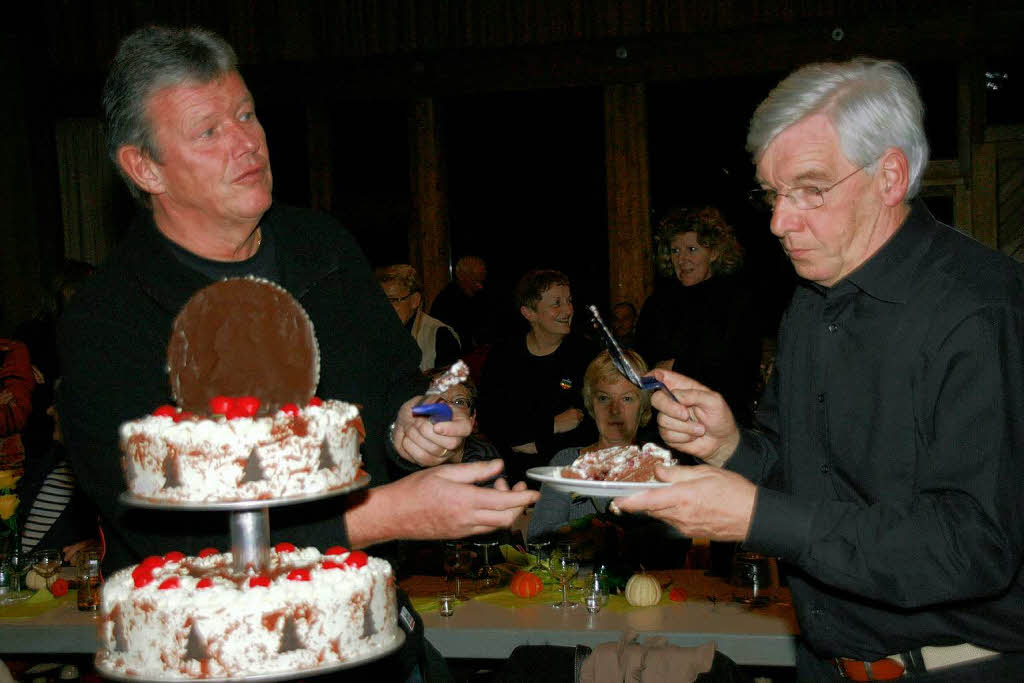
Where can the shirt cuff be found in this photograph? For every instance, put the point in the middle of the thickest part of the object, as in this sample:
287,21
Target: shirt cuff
782,524
746,460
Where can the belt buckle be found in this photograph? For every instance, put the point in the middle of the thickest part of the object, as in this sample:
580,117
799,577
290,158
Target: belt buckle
884,669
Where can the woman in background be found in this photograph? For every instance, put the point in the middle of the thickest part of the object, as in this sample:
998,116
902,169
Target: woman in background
702,322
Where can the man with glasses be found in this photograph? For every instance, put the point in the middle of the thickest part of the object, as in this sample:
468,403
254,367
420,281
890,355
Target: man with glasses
889,456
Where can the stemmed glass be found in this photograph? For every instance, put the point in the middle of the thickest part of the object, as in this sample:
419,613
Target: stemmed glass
18,563
457,563
488,575
47,563
564,566
539,549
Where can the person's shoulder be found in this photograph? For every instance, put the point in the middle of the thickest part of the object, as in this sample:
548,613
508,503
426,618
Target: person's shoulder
974,270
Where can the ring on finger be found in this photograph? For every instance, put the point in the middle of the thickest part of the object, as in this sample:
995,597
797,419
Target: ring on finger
443,453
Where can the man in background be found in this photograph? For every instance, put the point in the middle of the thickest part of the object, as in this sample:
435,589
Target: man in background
464,304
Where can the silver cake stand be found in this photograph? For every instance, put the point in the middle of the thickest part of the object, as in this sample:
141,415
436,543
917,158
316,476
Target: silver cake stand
250,551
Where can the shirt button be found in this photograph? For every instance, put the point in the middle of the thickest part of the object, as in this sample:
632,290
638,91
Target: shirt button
824,469
832,327
821,398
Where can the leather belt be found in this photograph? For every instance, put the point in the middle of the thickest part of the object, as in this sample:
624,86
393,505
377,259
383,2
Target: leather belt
906,664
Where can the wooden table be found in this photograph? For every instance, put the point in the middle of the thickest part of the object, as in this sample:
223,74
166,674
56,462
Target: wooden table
761,637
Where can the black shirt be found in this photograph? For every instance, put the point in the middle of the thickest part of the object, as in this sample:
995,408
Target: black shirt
891,455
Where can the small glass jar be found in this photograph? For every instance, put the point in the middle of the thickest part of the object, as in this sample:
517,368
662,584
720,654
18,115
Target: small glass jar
89,580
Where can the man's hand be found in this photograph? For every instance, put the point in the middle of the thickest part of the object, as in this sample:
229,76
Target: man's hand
701,424
427,444
703,501
568,420
438,503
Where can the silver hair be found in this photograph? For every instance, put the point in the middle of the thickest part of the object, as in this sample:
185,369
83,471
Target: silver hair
149,60
873,105
402,273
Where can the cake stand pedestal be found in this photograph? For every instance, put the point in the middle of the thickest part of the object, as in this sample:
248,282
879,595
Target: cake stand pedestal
250,551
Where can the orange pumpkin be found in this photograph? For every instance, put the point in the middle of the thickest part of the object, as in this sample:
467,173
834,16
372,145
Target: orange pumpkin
525,584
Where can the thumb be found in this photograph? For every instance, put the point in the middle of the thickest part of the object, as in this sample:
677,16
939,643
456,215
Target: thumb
471,472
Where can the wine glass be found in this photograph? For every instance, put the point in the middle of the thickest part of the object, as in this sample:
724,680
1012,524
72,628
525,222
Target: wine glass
564,565
457,563
540,550
488,574
20,563
47,563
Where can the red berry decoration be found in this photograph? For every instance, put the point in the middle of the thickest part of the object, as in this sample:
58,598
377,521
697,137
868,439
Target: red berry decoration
152,562
220,405
316,401
357,558
174,556
205,582
183,415
142,575
332,565
290,409
59,588
247,405
165,411
206,552
259,581
677,595
298,575
167,584
284,547
336,550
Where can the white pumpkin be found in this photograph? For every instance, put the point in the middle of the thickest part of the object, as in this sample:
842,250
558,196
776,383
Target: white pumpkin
643,590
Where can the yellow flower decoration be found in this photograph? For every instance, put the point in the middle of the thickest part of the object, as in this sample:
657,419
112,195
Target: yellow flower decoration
8,504
8,479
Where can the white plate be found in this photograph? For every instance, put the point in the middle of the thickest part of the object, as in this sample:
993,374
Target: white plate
585,487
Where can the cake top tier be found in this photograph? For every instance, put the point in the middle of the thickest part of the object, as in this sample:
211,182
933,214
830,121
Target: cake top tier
243,337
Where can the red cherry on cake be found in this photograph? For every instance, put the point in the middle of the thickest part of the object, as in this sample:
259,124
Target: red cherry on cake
206,552
183,415
174,556
259,581
336,550
247,405
152,562
316,401
290,409
298,575
167,584
284,547
165,411
205,582
331,565
142,575
357,558
220,405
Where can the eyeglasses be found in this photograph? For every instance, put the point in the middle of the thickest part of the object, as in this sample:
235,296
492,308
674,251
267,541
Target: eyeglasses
459,402
399,299
804,198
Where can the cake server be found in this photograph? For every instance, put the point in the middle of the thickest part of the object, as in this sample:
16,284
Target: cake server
621,362
438,411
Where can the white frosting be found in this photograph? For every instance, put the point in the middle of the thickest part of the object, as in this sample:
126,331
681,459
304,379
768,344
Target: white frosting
616,463
339,614
209,457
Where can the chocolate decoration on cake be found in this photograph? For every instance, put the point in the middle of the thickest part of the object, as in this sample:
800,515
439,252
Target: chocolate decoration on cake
243,337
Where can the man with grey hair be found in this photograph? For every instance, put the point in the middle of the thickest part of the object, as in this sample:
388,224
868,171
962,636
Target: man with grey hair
438,342
183,131
888,459
465,304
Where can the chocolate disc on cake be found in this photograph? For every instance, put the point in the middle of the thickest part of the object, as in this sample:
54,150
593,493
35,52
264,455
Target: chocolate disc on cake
243,337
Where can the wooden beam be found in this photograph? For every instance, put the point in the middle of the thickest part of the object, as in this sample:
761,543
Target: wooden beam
429,243
984,191
630,262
